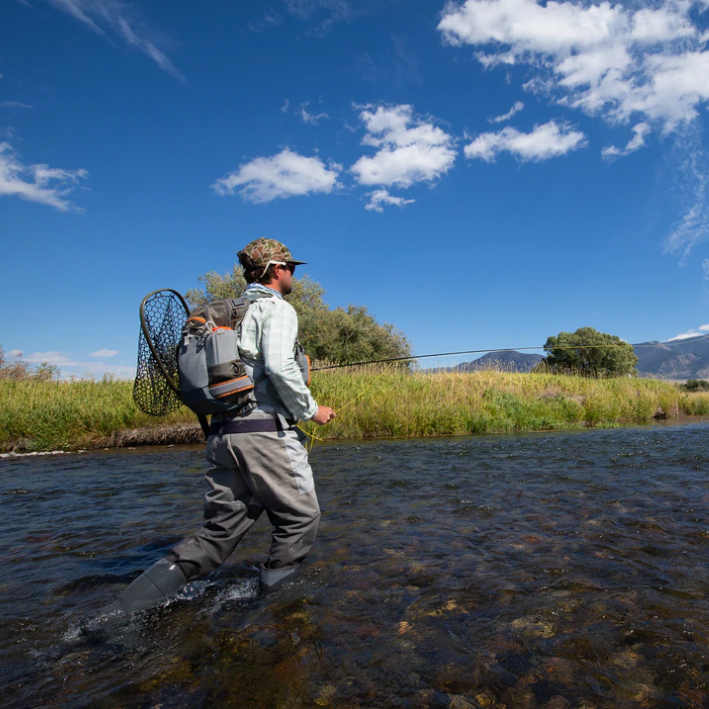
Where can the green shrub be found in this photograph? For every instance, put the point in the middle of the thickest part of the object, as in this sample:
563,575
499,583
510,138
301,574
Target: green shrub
696,385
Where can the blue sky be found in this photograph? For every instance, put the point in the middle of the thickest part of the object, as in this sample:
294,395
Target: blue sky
480,174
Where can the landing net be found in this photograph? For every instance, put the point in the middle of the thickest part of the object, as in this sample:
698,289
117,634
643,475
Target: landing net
157,384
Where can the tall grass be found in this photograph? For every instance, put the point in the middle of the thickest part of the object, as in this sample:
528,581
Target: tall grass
370,401
36,415
430,404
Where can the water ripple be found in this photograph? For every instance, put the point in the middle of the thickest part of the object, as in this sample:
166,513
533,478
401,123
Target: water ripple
547,570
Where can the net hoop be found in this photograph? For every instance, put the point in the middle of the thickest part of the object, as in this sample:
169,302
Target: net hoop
175,386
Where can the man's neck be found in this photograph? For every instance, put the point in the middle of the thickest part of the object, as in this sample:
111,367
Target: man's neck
270,286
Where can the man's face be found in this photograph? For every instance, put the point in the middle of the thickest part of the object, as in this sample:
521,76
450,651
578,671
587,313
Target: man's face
286,278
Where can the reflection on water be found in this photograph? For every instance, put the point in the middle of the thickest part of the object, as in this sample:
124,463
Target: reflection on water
545,570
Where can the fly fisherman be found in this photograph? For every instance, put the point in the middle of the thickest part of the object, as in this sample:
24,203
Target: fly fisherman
258,461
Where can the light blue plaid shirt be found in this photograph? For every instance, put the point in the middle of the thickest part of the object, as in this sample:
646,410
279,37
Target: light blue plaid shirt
268,334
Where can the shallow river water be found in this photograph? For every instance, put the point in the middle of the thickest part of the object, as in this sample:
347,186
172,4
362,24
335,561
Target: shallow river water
545,570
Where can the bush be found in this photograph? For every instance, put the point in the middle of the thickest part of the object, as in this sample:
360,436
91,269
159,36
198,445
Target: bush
590,353
695,385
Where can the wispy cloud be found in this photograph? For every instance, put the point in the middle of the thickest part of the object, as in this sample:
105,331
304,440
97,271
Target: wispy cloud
636,142
328,13
287,174
57,358
546,141
119,19
321,15
689,166
379,198
14,104
272,18
311,118
105,353
37,183
392,64
411,149
518,106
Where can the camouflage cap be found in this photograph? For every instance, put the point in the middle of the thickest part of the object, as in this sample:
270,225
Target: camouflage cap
264,251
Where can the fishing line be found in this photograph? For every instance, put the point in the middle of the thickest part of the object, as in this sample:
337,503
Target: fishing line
466,352
337,410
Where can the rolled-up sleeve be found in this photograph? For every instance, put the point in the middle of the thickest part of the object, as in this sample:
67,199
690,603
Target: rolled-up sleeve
278,337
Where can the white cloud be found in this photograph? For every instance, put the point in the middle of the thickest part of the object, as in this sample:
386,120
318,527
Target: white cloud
705,269
118,18
284,107
411,149
287,174
379,198
690,333
57,358
310,117
544,142
605,59
77,368
105,353
689,170
506,116
14,104
684,336
36,183
637,141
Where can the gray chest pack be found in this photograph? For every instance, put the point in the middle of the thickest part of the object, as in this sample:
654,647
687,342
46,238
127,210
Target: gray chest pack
213,377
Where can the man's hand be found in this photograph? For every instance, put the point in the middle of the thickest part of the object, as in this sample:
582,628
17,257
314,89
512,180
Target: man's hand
323,416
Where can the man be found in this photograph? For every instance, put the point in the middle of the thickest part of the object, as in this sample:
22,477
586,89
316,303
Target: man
258,459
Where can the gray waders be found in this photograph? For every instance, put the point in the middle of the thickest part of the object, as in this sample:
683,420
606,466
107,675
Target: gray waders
251,471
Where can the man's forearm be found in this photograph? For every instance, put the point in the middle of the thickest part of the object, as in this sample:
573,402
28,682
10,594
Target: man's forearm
288,381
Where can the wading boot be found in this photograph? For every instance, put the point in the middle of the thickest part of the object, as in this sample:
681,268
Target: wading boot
153,586
271,580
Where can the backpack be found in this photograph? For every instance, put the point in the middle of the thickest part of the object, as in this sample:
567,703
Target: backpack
212,376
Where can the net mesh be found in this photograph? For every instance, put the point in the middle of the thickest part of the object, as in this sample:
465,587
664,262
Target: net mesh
162,315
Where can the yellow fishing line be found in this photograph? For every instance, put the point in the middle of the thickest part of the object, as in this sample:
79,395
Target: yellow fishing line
311,435
309,444
313,438
344,406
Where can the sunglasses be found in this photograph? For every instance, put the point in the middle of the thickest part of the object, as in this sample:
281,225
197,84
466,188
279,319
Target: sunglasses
289,266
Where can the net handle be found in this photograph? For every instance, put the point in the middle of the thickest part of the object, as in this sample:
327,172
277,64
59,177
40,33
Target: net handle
148,339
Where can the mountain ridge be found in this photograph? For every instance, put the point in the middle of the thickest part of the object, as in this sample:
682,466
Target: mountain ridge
674,359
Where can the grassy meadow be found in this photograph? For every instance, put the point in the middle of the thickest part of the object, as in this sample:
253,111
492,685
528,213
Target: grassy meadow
370,402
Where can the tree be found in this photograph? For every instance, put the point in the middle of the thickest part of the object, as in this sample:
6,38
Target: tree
335,336
695,385
590,353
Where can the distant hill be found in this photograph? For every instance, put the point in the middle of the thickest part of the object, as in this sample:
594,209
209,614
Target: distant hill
679,359
502,361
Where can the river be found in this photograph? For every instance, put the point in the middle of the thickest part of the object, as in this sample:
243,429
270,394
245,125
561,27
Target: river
543,570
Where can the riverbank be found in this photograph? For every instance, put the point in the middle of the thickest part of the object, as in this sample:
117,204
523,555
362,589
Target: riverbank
47,416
